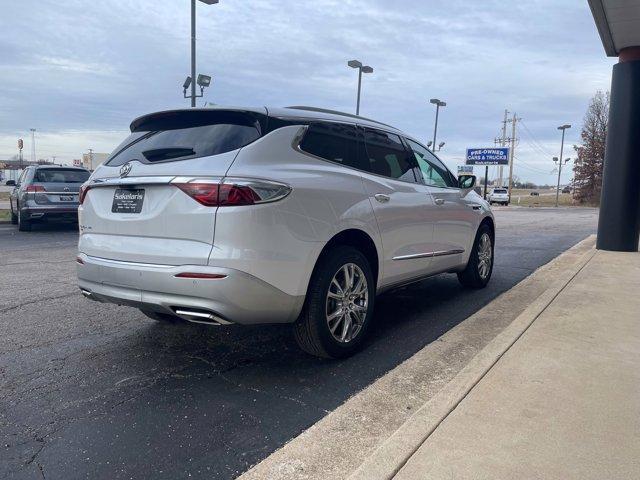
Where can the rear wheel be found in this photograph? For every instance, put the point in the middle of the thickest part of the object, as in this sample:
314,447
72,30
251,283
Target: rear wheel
480,266
339,305
24,224
162,317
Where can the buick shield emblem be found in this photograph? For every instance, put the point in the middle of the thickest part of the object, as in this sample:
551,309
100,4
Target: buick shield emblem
125,169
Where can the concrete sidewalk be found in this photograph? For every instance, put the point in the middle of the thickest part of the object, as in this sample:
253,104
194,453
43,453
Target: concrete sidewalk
560,401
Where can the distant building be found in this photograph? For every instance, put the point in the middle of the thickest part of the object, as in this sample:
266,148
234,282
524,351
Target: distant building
90,161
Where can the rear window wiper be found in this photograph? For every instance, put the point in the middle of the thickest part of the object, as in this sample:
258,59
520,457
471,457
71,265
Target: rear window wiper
158,154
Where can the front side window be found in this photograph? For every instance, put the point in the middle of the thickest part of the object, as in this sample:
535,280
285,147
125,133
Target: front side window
334,142
387,156
433,170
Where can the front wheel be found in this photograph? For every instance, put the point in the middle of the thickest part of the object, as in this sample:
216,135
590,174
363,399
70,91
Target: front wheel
480,265
14,217
339,305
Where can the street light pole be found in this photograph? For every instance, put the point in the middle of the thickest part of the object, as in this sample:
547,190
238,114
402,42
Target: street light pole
438,103
361,69
192,79
193,53
560,160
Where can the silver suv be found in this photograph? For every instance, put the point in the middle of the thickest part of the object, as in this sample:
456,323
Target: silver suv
46,193
292,215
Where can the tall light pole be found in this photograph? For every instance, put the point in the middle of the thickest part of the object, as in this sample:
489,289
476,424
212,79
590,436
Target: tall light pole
560,161
361,69
438,103
192,80
33,144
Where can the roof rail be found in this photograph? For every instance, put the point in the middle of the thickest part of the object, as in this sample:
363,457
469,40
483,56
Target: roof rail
336,112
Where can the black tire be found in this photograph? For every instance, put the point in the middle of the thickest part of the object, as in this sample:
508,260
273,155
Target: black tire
162,317
14,217
312,330
24,224
471,276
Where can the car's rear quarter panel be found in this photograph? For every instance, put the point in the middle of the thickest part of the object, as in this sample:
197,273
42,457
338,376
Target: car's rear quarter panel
280,242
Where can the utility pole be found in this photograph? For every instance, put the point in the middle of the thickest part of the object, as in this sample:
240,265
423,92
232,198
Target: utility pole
512,151
502,142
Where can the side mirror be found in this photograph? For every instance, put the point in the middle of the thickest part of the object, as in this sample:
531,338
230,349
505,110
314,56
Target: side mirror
466,182
10,183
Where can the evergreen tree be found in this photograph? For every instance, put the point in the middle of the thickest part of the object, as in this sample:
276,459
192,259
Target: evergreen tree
587,168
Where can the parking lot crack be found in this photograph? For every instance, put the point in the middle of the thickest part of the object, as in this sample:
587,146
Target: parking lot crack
38,300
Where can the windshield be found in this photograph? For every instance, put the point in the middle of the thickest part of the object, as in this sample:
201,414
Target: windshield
499,190
60,175
182,137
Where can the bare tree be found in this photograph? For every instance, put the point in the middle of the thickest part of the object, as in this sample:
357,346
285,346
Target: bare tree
587,169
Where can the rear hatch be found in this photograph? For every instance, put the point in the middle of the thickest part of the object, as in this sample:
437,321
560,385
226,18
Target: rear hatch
57,186
138,206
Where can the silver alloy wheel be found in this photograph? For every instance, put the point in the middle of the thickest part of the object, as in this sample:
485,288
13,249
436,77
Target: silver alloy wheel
485,256
347,302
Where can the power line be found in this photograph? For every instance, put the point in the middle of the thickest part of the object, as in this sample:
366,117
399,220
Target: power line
535,140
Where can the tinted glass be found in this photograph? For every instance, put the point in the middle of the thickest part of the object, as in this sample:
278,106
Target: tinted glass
500,190
387,156
181,135
60,175
335,142
433,170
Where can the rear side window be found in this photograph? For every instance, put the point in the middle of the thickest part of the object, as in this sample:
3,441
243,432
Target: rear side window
387,156
180,136
60,175
334,142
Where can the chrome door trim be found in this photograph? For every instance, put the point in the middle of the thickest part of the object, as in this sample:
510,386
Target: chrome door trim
439,253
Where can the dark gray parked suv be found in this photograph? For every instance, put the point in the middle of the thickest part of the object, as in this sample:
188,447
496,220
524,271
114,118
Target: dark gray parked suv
46,192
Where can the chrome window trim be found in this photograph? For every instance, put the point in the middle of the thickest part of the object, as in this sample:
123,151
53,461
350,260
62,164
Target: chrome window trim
439,253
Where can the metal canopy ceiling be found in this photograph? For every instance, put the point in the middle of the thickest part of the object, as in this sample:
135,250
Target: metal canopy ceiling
618,23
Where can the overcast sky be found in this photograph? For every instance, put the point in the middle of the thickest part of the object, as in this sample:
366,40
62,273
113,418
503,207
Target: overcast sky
79,71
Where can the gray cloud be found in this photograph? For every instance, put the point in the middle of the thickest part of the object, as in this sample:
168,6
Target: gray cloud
80,71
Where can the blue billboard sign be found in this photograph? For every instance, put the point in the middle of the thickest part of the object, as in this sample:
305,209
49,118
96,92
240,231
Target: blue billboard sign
488,156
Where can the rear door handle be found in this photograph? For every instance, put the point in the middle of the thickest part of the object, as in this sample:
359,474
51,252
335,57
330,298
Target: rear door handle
382,198
439,201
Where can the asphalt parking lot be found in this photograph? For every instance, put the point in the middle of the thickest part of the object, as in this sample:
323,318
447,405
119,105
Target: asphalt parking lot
98,391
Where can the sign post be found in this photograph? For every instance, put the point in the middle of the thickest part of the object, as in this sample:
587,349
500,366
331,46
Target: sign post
487,156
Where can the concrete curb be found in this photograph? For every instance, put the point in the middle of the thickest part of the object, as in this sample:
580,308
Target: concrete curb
393,454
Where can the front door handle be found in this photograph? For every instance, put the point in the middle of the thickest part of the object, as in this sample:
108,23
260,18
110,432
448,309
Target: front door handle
439,201
382,198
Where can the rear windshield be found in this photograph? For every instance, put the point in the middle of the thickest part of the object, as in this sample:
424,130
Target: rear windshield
60,175
499,190
182,135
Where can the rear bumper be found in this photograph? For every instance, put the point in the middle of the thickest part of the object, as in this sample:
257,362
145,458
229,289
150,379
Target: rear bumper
50,211
237,298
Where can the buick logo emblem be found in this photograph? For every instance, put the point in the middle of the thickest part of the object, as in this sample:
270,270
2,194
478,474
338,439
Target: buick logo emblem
125,169
65,189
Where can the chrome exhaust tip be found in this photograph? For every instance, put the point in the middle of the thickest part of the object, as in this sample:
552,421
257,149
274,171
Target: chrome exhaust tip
86,293
200,316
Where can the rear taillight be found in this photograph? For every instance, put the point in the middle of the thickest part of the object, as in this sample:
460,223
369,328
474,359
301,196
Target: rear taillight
234,192
82,193
35,188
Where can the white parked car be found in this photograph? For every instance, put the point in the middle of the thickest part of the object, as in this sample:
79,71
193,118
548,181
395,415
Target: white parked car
499,195
294,215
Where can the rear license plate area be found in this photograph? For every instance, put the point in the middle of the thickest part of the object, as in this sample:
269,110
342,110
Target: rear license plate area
127,200
66,198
